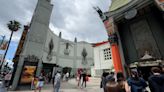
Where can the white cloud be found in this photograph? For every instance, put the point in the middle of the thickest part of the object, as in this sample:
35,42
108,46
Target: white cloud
19,10
78,19
74,18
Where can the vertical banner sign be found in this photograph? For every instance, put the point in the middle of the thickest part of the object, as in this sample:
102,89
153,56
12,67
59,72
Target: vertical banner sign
160,4
21,43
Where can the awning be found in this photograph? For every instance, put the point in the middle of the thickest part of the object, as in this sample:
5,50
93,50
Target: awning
146,63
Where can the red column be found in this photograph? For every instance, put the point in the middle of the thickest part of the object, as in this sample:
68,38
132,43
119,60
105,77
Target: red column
116,58
110,27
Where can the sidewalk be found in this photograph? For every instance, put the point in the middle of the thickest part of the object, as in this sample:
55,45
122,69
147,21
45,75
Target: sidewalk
71,86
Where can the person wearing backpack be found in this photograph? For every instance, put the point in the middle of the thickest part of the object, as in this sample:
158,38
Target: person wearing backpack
112,86
136,83
40,82
156,81
122,82
57,81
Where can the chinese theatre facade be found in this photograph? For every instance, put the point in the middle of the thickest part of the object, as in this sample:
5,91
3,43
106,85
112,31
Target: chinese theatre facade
42,51
136,33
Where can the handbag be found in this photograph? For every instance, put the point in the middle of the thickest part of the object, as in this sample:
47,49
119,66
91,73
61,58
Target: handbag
87,78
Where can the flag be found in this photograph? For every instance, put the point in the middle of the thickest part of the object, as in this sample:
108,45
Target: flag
3,45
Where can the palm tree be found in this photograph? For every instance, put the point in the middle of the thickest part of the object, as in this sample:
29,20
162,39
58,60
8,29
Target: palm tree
13,26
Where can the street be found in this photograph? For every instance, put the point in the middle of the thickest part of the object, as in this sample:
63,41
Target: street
93,85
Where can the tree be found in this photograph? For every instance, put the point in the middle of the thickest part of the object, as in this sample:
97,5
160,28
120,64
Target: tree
13,26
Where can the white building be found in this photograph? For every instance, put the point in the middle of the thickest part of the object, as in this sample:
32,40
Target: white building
66,54
102,58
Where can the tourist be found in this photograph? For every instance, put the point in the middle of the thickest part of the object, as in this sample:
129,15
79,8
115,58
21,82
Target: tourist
124,87
112,86
103,80
64,77
40,83
84,75
79,77
156,81
57,81
67,76
109,76
48,77
136,83
7,79
34,83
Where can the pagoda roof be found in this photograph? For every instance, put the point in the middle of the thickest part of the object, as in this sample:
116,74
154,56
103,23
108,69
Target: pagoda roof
116,4
118,8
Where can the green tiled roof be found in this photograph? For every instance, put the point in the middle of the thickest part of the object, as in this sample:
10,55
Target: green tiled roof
118,4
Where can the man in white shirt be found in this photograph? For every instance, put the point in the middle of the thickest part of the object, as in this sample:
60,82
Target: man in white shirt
57,82
67,76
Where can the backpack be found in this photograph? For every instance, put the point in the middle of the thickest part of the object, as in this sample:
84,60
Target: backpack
137,86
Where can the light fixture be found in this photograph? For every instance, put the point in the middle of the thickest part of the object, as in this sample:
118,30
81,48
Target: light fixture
130,14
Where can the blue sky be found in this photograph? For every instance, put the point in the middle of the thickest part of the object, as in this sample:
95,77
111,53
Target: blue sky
11,51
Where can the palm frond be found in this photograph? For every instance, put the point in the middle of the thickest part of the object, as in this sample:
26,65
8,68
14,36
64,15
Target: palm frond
14,25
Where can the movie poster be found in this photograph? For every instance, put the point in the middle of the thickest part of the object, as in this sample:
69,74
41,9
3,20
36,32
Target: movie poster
28,73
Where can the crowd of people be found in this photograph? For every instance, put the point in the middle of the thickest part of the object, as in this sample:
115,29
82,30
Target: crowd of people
82,78
112,82
38,82
5,75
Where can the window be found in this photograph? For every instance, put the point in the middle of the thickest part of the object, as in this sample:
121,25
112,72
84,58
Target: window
107,54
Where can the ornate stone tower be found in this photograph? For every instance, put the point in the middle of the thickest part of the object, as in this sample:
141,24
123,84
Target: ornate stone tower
35,41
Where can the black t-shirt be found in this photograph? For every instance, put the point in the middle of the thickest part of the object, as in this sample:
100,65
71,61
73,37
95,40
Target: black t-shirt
41,78
84,77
